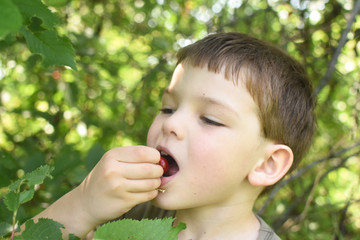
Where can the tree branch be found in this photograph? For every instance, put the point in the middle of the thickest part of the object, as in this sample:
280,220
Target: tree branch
337,52
300,172
295,220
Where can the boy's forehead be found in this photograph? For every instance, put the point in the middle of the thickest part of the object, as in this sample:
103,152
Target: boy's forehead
187,67
177,75
201,87
189,78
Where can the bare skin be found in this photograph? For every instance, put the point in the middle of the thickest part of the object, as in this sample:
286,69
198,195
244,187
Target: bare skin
123,178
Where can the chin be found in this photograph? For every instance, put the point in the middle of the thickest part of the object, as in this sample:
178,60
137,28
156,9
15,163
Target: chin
158,203
161,202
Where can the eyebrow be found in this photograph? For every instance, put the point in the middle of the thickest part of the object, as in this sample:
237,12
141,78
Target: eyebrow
208,100
222,105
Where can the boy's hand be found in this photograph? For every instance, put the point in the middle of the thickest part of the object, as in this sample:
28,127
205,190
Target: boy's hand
123,178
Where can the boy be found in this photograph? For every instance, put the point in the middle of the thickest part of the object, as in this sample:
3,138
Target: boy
236,116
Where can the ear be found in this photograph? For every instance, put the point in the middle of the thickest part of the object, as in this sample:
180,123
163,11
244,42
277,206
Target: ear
276,164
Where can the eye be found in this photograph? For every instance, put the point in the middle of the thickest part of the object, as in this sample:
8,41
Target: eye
167,110
209,121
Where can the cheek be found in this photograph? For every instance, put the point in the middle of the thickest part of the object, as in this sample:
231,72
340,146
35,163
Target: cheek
207,158
222,157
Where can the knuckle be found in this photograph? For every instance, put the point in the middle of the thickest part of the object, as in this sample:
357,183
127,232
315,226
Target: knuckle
117,187
110,173
144,152
141,152
109,155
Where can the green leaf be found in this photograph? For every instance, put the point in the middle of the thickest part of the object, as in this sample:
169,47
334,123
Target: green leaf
7,41
43,229
94,156
53,49
66,161
56,3
11,201
10,18
73,237
26,196
35,177
158,229
36,25
5,228
15,185
38,175
35,8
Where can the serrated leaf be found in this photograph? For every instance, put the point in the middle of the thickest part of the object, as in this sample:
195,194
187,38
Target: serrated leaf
5,228
35,8
26,196
10,18
38,175
15,185
36,25
11,201
35,177
53,49
146,229
43,229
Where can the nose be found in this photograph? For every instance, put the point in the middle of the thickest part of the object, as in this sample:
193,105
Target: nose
175,124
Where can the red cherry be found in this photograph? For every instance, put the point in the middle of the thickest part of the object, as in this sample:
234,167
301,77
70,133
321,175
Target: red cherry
164,164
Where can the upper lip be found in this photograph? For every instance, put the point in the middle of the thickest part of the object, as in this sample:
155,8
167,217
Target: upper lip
165,150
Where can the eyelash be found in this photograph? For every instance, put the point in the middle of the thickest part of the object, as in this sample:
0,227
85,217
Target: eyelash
204,119
167,110
211,122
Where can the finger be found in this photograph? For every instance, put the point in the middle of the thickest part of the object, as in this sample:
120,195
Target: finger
140,170
142,197
134,154
146,185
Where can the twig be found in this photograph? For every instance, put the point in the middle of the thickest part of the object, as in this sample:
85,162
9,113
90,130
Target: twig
342,224
289,210
311,196
342,227
300,172
337,52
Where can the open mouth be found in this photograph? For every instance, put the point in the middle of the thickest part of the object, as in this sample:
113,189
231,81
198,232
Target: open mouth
173,167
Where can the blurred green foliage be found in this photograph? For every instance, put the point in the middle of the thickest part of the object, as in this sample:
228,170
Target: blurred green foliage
125,56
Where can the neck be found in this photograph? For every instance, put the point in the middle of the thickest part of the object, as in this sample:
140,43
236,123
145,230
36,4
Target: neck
235,221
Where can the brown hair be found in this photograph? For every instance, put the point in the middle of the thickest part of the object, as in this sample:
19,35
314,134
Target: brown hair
278,84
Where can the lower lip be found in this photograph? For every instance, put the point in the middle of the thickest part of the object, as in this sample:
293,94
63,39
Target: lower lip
165,180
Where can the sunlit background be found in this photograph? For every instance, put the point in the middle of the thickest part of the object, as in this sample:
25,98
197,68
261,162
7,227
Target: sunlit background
125,55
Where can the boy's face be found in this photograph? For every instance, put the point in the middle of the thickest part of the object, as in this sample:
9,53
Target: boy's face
211,128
